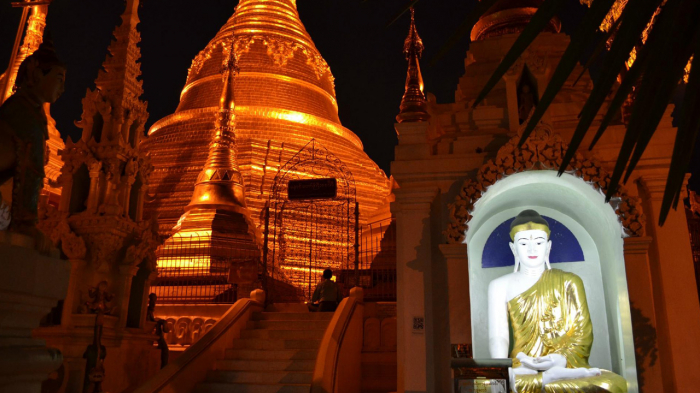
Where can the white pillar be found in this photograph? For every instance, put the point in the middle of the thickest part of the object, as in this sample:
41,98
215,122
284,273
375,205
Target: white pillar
458,292
413,258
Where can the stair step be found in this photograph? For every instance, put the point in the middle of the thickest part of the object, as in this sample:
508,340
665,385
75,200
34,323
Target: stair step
267,377
284,354
273,344
265,365
292,316
288,325
283,334
288,307
215,387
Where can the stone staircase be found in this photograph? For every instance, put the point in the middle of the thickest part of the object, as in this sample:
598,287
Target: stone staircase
276,353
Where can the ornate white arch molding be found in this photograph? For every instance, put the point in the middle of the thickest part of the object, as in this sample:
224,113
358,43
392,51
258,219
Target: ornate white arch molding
544,150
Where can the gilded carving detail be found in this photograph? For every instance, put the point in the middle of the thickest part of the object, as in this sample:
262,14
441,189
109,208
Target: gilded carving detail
71,244
279,49
146,234
536,63
186,330
241,45
318,63
543,150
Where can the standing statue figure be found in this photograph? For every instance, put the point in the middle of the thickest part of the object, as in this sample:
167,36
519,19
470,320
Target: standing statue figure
161,328
23,133
96,353
547,312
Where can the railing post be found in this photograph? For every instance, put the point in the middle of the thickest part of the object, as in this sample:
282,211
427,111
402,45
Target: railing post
357,244
310,259
266,233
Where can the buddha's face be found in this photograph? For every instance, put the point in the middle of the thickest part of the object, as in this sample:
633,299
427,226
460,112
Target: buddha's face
52,84
46,86
531,247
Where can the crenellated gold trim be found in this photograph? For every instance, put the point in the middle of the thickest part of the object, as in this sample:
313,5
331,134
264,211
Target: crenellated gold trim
267,113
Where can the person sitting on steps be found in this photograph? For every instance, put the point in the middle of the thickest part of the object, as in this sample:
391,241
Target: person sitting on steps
327,294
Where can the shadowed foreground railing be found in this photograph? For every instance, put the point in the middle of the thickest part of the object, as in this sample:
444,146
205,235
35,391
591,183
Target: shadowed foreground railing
191,367
338,364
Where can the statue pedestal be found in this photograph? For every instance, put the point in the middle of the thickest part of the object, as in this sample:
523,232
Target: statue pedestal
481,375
31,283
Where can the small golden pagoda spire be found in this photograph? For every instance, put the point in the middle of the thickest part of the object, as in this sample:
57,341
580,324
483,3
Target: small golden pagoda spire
218,203
220,183
216,225
413,104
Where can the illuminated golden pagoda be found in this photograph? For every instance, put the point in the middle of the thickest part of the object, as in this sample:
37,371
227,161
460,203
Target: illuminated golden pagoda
285,98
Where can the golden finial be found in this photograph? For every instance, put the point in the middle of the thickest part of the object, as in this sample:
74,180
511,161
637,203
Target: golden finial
413,45
413,104
220,182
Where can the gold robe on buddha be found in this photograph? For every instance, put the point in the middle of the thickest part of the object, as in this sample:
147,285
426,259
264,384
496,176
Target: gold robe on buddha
552,317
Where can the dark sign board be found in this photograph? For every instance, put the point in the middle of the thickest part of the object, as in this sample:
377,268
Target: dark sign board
312,189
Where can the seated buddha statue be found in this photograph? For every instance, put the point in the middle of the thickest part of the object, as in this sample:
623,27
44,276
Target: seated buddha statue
546,311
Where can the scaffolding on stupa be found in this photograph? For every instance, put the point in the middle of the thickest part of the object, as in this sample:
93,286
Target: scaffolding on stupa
302,238
308,235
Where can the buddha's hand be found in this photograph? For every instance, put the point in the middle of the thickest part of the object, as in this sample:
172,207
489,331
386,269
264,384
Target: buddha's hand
542,363
526,361
562,373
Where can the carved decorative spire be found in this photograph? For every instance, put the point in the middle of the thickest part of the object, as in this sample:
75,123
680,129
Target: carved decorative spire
118,92
413,104
220,182
118,79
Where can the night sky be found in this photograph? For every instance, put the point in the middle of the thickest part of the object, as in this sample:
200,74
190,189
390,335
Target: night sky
363,53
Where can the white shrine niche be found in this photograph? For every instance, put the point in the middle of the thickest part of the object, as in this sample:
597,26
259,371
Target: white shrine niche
582,210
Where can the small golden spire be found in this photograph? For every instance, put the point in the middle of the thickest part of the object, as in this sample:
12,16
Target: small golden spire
217,208
220,182
413,104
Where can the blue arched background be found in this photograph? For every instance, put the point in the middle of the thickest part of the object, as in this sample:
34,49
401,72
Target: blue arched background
497,253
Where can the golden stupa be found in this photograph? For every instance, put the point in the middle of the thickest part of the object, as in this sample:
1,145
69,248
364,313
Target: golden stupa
284,99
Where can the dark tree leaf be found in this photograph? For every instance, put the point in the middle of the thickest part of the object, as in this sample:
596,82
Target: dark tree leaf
671,55
631,77
579,41
686,137
659,93
634,21
544,14
463,29
602,44
670,48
